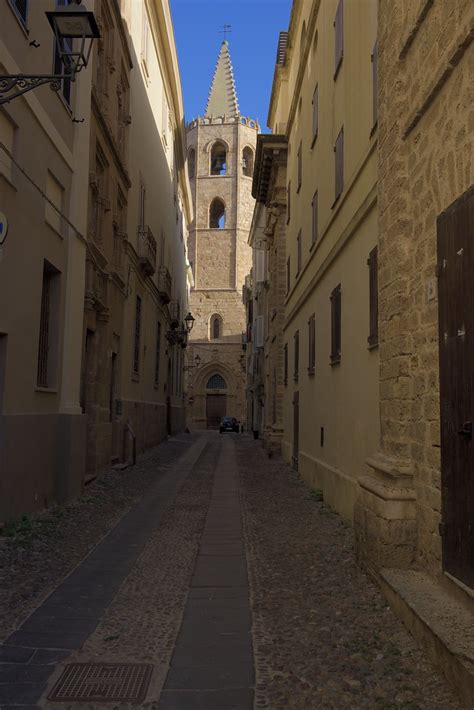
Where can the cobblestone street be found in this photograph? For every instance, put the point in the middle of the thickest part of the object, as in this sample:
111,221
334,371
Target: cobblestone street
219,568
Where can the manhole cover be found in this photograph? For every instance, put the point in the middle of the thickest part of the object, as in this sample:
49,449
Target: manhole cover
103,681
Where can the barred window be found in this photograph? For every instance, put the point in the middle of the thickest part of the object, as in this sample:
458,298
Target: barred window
311,345
296,355
136,342
158,352
336,325
216,382
373,338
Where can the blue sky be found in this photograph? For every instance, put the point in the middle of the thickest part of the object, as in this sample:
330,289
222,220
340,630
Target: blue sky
252,41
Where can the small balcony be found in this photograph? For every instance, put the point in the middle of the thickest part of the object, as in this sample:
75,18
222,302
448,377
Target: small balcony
164,284
146,250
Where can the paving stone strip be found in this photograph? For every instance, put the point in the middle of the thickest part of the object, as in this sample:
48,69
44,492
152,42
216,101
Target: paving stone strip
71,613
323,634
212,667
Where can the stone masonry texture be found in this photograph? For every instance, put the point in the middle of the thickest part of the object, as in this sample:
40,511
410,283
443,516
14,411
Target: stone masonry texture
426,123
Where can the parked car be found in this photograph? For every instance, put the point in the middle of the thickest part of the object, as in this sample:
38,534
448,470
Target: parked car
229,424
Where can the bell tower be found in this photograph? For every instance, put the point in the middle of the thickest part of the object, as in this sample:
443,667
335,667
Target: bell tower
221,153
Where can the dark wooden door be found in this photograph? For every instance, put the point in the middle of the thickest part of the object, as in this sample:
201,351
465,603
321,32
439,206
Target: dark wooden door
456,360
296,428
215,409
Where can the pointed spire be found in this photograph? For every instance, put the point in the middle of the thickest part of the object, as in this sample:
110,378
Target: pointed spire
222,99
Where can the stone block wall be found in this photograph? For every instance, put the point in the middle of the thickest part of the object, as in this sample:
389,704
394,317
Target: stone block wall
426,123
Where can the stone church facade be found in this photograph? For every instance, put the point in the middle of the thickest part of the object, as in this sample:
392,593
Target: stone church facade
221,149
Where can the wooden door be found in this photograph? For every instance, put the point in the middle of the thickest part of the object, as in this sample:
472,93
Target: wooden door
296,428
456,362
215,409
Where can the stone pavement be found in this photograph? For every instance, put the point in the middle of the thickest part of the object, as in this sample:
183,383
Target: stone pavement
170,585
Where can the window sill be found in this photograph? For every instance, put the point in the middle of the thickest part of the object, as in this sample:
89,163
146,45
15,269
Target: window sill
9,181
46,390
53,228
336,200
23,24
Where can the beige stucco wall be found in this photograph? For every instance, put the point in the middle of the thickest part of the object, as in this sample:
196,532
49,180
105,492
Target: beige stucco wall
50,467
342,398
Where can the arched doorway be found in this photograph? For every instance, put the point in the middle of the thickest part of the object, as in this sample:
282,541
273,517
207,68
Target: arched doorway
216,400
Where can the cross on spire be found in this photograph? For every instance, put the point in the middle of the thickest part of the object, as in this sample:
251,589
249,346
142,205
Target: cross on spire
225,31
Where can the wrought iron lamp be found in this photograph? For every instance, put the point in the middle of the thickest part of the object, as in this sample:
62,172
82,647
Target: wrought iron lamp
75,29
180,335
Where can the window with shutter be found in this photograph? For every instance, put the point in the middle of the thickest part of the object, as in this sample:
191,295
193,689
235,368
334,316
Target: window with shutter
314,205
288,202
300,168
375,84
311,345
299,252
314,105
336,325
296,355
285,364
339,37
373,338
339,164
288,274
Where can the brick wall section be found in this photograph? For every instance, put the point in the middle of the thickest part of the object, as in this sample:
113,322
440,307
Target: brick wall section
426,123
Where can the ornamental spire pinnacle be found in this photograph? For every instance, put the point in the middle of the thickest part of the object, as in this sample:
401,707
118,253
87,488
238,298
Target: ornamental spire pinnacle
222,99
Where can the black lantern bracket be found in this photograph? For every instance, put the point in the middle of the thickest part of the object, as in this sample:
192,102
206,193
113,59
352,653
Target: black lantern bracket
75,29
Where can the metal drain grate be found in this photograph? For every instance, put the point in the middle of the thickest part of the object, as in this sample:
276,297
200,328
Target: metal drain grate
103,681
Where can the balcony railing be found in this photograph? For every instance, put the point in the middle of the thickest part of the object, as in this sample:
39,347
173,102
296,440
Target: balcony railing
146,250
164,284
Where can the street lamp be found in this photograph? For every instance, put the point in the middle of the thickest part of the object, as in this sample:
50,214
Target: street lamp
75,28
180,335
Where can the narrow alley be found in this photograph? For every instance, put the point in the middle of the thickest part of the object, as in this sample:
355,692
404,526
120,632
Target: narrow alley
219,573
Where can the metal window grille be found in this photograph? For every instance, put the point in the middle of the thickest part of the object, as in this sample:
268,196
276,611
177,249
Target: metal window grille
300,167
216,382
136,345
299,252
43,349
336,325
315,106
158,348
296,354
373,338
339,36
311,344
314,205
339,163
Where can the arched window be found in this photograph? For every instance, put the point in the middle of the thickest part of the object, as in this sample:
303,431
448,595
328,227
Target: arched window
247,161
215,327
217,214
191,162
218,159
216,382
